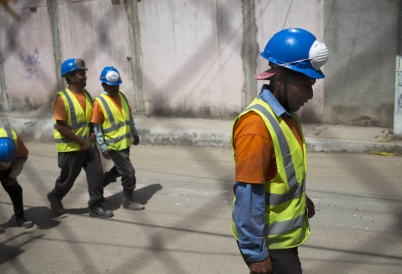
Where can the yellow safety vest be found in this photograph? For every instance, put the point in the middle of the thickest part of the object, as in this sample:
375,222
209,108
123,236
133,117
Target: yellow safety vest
286,222
78,121
10,134
116,127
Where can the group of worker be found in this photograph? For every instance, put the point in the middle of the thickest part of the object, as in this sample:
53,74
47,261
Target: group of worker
270,206
79,123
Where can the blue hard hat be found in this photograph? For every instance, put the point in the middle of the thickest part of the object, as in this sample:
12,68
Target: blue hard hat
7,150
297,49
72,64
110,76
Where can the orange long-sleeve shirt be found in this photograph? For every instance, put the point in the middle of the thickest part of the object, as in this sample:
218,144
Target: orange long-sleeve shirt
254,150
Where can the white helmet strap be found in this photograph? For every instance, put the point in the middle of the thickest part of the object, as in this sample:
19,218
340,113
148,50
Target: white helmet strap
318,56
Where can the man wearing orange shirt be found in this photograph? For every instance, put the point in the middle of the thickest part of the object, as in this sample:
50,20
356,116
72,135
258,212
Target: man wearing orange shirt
13,155
114,126
270,207
74,136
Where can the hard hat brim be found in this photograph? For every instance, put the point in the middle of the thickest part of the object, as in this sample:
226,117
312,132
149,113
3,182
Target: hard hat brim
265,75
112,83
75,69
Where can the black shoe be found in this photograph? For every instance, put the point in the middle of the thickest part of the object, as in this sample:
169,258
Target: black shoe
2,230
55,204
24,222
20,217
100,212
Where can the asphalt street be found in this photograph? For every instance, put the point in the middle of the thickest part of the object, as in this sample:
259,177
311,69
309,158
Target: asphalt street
185,227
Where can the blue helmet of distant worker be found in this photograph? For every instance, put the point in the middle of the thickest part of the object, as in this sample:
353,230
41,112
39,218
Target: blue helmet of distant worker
110,76
72,64
7,151
295,49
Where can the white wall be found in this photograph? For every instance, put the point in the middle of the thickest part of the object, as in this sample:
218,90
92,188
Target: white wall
362,37
191,60
191,57
28,60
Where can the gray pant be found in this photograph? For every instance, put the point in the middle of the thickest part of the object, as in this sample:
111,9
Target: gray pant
124,167
71,164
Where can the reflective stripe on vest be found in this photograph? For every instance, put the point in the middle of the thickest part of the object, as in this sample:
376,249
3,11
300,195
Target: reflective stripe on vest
10,134
78,121
277,199
74,123
295,191
117,135
286,224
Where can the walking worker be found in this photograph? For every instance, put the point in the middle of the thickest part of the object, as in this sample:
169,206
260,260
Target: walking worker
13,155
114,126
74,136
270,206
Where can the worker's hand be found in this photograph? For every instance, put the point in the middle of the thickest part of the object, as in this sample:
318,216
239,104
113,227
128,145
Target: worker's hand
136,140
310,208
86,144
106,154
264,267
92,137
10,181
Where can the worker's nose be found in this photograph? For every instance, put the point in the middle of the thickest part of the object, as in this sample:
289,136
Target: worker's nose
310,94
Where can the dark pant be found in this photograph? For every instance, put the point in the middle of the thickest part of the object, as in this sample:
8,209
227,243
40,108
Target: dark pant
14,191
71,164
284,261
124,167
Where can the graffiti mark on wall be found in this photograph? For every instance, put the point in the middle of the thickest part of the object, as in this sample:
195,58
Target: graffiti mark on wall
30,62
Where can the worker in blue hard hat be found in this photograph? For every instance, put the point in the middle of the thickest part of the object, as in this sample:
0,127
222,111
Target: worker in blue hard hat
75,141
114,127
270,207
13,155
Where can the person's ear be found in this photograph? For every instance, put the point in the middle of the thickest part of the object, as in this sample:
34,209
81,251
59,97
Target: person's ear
279,78
67,77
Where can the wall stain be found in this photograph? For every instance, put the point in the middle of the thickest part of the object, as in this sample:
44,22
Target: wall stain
29,62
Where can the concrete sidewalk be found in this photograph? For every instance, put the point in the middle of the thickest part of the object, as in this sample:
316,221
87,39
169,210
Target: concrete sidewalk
216,133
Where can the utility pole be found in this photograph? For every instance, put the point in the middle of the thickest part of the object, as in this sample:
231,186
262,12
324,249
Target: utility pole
398,79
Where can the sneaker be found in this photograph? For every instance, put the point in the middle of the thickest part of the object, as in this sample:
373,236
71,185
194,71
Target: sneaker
2,230
100,212
132,205
55,204
24,222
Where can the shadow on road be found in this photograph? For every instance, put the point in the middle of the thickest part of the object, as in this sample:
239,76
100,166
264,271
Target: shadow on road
41,216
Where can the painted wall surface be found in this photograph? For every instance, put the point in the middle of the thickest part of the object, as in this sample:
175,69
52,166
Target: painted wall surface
191,57
27,56
196,58
362,37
